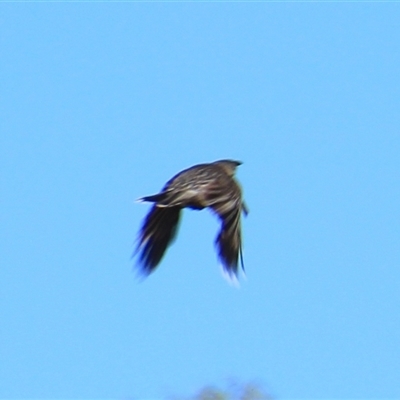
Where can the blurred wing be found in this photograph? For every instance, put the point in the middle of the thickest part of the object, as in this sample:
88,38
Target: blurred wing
156,234
229,239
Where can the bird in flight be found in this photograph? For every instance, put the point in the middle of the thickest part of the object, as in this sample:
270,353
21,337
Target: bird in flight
209,185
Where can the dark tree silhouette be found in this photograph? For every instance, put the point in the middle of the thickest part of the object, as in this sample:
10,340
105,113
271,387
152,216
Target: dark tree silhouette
234,391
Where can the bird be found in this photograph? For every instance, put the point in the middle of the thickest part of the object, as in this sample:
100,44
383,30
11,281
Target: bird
209,185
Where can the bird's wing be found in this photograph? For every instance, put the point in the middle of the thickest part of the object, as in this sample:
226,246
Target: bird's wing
229,240
156,234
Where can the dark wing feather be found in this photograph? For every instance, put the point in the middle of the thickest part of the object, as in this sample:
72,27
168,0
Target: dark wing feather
228,206
229,241
156,234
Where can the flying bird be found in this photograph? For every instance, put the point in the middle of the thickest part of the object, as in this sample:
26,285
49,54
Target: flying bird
202,186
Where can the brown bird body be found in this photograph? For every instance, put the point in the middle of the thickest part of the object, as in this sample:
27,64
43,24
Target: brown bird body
205,185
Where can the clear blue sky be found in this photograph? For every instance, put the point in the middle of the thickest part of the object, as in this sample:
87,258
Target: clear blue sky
101,103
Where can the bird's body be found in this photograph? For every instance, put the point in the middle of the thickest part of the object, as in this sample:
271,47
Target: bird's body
205,185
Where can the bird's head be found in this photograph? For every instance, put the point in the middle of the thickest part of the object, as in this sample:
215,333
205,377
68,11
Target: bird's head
229,165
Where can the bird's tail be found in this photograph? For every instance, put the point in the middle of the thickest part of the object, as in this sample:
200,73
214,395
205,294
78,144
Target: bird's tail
155,198
156,234
170,198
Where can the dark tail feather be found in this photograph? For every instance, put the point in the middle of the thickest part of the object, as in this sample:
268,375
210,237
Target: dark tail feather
156,234
155,198
167,199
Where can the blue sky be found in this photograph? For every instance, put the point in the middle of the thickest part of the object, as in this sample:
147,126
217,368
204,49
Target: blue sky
101,103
